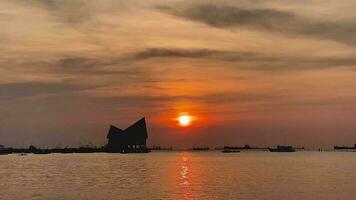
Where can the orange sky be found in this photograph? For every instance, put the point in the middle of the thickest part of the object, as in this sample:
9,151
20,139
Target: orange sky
257,72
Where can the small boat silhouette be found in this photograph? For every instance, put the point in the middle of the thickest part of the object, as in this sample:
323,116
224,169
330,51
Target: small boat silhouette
282,149
201,149
41,152
230,151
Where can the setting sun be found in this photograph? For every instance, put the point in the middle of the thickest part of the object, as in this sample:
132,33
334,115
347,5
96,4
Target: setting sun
184,120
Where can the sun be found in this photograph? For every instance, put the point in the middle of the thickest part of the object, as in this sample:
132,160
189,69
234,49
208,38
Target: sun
184,120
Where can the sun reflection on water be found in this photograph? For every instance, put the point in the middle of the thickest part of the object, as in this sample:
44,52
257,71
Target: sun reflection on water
185,177
184,173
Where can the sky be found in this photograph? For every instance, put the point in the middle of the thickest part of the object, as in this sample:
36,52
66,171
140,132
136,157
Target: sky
250,72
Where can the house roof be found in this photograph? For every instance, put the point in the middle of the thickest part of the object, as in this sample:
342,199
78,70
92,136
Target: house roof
114,131
137,130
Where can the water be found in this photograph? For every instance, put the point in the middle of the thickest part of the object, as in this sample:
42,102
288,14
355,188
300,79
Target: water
180,176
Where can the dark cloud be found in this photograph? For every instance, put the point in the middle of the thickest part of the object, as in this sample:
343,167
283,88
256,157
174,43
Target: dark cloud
338,31
89,66
251,60
9,91
267,20
196,53
184,53
227,16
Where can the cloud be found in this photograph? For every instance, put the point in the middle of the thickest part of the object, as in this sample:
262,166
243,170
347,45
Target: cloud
184,53
87,66
195,53
228,16
10,91
267,19
77,12
68,11
249,60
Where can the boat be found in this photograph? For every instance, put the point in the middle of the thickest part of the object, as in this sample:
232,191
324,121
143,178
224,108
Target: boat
41,152
345,148
281,148
230,151
3,150
246,147
158,148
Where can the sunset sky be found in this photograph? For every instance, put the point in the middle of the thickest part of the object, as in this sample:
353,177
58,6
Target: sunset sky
256,72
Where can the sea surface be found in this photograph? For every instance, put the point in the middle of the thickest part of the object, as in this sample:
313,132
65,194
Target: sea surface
180,176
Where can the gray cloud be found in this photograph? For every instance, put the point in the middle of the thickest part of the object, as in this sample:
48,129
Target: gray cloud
88,66
9,91
184,53
267,20
250,60
71,63
194,53
227,16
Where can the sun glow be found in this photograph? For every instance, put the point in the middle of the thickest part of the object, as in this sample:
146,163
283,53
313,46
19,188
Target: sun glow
184,120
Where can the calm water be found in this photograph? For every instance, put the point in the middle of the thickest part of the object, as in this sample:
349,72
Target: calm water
180,175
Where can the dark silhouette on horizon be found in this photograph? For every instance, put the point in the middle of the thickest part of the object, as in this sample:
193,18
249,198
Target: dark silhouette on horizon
159,148
281,148
246,147
131,140
344,147
200,148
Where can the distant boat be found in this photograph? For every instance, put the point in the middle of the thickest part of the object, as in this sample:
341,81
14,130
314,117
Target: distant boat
41,152
3,150
345,148
246,147
230,151
282,149
158,148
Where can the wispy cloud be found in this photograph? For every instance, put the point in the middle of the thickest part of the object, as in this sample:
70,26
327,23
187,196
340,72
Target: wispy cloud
266,19
250,60
16,90
228,16
184,53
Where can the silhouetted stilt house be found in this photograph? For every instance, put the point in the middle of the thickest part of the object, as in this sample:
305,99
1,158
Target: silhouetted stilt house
131,140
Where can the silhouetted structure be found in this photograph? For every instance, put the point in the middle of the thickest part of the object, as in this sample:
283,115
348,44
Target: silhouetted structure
3,150
35,150
246,147
158,148
201,149
345,148
231,151
282,149
131,140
